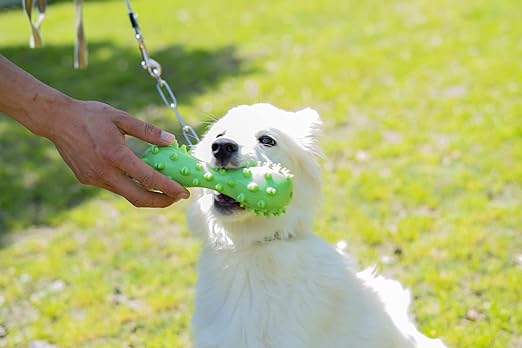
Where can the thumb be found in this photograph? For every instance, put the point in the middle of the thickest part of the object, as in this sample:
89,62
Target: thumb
144,130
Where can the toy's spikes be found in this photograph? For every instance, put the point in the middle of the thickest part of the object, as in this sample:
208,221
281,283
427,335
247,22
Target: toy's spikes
261,188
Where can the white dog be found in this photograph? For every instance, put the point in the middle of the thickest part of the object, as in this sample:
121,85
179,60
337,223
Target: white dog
269,282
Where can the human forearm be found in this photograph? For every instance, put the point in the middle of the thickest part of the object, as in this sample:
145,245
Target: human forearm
30,101
90,137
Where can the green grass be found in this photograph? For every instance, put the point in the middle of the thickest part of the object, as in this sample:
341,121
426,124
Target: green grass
422,103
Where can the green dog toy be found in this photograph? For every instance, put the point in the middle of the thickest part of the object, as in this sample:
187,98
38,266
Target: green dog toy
261,188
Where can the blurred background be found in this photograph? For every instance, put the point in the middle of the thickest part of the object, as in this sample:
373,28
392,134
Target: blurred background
422,104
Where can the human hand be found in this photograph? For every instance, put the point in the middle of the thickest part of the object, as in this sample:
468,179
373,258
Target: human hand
90,137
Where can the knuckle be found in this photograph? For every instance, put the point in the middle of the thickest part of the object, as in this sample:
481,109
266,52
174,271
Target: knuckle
151,130
120,118
147,180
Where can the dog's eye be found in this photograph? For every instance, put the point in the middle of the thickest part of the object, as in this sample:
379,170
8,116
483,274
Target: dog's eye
267,141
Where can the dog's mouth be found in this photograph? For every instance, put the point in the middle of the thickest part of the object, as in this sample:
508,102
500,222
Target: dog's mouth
224,200
226,204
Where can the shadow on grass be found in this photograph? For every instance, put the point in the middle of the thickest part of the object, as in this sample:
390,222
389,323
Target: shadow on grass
35,184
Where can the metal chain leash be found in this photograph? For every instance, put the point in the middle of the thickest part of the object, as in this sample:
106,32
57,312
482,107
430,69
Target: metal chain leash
163,88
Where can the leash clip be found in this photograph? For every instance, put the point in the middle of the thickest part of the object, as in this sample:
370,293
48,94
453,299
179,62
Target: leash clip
154,70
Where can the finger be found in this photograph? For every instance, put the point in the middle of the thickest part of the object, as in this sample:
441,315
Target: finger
126,161
143,130
136,194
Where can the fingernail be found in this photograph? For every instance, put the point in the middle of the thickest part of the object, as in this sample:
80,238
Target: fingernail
167,137
184,195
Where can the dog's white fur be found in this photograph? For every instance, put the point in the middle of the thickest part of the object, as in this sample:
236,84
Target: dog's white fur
255,290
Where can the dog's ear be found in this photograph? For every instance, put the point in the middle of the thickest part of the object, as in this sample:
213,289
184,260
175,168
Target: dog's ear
309,125
304,132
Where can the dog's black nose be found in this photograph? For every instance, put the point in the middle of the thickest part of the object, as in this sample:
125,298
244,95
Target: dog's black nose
223,149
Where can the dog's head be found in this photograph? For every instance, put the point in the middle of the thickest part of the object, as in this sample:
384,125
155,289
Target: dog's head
259,132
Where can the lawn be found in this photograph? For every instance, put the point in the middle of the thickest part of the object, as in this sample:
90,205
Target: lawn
422,103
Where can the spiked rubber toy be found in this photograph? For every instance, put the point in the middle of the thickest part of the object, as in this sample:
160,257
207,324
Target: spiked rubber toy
262,188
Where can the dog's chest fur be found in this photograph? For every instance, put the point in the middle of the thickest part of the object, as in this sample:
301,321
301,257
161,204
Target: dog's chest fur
285,294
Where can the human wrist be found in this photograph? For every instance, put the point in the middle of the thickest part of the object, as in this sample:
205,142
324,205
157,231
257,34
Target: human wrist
50,114
37,106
